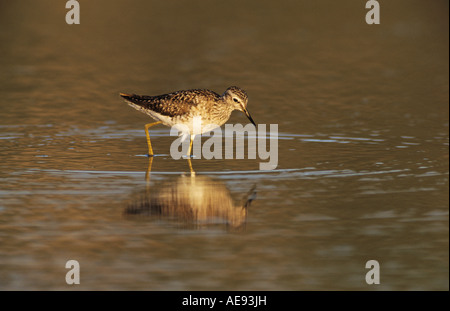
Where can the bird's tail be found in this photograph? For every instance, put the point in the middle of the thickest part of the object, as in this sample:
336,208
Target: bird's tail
135,101
130,97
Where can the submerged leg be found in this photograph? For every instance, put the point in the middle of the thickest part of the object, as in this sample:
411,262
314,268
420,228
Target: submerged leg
190,168
150,150
149,170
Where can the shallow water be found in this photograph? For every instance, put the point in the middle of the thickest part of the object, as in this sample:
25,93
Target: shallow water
363,167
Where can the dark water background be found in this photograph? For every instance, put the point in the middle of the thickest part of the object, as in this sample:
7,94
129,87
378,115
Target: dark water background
363,118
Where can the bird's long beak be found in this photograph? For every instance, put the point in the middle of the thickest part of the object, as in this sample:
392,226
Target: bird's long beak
248,115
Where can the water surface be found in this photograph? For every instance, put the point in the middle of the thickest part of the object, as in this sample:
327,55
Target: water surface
362,114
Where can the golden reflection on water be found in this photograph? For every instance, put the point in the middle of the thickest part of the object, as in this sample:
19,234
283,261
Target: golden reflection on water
191,199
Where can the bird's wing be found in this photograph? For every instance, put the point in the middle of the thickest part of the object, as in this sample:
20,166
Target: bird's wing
172,104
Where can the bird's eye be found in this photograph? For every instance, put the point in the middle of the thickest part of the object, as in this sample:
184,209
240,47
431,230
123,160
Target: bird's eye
235,100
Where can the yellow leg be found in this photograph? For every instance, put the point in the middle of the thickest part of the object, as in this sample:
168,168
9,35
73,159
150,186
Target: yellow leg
189,156
190,146
190,168
150,150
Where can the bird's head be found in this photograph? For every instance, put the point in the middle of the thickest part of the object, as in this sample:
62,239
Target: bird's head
238,99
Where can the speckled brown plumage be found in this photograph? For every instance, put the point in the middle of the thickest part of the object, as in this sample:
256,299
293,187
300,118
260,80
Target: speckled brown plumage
182,107
173,104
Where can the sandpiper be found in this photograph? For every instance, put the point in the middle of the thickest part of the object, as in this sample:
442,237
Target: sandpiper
182,107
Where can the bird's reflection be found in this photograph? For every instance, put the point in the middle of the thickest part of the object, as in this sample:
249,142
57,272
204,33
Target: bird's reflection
192,200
